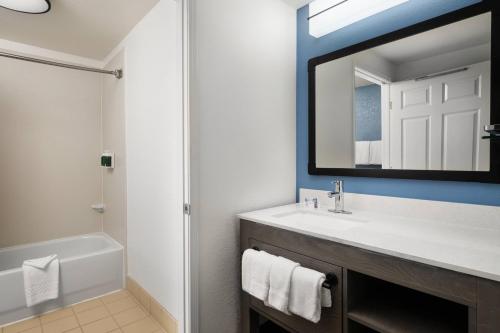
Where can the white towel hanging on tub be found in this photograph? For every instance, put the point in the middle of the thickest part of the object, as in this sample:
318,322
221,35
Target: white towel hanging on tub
41,279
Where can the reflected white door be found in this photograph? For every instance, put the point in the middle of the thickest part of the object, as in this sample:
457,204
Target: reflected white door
436,124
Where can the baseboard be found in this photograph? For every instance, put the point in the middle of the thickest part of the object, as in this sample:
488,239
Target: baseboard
158,312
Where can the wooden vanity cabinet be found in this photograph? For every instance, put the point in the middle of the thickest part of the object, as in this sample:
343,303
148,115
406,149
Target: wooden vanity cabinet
375,292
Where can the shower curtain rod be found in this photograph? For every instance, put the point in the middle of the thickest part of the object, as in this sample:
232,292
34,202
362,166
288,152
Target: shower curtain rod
118,73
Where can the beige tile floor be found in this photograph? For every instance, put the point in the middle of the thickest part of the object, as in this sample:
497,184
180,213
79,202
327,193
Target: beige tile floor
119,312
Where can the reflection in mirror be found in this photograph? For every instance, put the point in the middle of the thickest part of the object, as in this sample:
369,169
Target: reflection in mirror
419,103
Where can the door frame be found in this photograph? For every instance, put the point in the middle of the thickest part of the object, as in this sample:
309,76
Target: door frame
384,84
492,176
190,243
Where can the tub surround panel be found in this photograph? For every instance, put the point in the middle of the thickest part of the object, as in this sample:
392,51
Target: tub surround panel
113,139
309,47
49,144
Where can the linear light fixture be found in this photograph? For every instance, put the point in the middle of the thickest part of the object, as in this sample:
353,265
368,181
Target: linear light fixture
326,16
27,6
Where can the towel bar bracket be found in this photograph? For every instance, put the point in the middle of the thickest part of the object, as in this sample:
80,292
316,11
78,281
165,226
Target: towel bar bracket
331,280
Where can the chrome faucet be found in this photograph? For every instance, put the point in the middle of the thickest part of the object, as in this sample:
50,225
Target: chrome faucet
338,195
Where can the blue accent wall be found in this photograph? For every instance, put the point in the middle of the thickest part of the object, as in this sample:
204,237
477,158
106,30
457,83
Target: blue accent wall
367,109
308,47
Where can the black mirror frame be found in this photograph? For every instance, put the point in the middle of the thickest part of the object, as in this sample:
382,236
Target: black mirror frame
492,176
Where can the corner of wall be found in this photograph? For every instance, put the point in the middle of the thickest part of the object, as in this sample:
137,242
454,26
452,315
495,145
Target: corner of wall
152,306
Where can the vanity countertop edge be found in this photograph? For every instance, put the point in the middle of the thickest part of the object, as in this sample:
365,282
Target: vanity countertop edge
469,250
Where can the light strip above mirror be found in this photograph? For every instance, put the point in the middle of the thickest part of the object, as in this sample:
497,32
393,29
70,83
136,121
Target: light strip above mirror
326,16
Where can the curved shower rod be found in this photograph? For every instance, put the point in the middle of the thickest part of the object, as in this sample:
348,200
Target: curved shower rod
118,73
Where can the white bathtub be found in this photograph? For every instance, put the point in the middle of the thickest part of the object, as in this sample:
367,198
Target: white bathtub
90,265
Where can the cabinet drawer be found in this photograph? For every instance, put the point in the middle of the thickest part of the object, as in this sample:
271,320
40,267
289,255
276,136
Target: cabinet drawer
331,318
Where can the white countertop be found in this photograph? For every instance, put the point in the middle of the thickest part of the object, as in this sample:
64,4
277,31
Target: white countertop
467,248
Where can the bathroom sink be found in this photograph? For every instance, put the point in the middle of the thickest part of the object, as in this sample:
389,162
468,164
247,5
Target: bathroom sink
319,220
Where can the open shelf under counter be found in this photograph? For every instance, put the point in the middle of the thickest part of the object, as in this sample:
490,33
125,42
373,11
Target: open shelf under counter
386,318
389,308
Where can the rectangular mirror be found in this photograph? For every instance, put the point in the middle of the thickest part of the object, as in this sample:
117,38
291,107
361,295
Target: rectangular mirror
410,104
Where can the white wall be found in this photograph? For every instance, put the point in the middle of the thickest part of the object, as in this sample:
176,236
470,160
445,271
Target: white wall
243,136
154,156
50,139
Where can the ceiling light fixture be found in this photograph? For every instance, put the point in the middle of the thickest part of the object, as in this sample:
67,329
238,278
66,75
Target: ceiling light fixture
27,6
326,16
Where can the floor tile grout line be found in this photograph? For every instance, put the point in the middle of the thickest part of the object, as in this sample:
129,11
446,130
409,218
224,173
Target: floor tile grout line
126,292
128,323
105,308
74,314
91,300
72,307
120,300
68,307
93,321
114,320
148,314
36,317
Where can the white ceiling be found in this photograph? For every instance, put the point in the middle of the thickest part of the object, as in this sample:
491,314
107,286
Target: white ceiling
457,36
298,3
87,28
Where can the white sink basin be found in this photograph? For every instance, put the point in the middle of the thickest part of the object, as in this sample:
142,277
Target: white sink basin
321,221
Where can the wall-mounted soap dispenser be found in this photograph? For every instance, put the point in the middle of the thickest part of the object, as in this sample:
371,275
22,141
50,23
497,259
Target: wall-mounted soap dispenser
108,160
